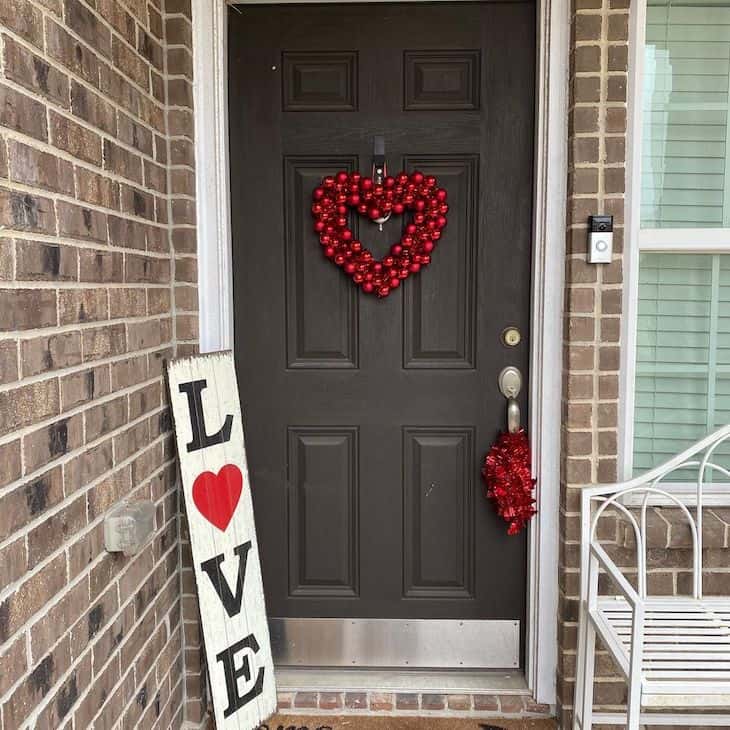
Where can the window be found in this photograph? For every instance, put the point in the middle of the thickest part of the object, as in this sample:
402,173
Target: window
681,273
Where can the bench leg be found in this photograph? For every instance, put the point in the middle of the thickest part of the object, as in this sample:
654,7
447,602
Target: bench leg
585,669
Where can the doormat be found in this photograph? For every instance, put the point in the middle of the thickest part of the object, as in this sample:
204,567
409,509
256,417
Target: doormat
355,722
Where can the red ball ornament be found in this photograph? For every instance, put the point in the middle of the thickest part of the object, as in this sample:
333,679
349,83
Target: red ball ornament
415,195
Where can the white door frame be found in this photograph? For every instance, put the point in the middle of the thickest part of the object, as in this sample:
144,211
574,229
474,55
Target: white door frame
216,281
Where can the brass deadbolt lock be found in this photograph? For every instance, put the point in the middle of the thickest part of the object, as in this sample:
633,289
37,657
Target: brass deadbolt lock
511,336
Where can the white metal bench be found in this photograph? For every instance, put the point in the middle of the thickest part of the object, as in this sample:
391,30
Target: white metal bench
674,651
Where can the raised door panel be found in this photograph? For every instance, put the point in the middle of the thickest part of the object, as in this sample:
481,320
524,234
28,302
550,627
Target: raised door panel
323,519
442,80
440,303
321,308
319,81
438,512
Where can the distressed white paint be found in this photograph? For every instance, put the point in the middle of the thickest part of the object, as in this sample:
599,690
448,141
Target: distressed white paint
216,288
220,631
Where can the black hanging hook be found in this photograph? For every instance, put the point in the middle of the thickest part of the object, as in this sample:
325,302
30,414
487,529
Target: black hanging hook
380,170
379,166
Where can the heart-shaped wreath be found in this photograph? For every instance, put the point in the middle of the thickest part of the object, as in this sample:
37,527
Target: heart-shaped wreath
417,193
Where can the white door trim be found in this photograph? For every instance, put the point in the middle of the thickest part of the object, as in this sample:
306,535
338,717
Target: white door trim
216,282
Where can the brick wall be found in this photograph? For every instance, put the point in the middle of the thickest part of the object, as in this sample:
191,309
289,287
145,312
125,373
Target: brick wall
97,273
593,294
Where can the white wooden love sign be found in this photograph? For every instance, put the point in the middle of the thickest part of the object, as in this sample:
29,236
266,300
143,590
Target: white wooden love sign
209,435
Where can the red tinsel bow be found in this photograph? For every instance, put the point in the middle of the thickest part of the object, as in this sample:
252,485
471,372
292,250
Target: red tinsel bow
508,474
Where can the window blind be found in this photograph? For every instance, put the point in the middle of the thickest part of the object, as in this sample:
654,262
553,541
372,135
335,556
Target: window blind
683,353
686,94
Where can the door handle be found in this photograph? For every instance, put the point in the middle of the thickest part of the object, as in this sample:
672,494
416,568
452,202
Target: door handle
510,385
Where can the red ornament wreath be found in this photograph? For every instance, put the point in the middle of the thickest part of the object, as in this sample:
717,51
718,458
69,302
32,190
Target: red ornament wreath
416,193
508,474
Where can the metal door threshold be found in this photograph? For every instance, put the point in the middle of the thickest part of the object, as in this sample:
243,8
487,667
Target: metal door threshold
408,680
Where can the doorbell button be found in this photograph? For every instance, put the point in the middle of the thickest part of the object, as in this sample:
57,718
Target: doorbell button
600,239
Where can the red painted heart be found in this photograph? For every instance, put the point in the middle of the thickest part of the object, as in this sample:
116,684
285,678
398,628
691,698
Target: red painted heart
217,495
417,193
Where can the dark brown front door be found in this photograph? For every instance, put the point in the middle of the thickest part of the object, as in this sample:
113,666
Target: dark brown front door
367,420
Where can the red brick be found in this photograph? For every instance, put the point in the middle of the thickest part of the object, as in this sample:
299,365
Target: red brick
122,162
13,566
106,417
103,342
96,189
10,468
52,441
137,201
27,308
35,74
73,54
81,222
130,64
85,24
82,305
40,261
66,697
459,702
31,596
92,108
6,247
433,702
88,466
36,686
26,212
511,704
50,352
330,700
128,302
134,134
8,361
119,18
56,530
81,387
150,50
22,113
356,700
78,141
13,663
103,496
20,17
100,267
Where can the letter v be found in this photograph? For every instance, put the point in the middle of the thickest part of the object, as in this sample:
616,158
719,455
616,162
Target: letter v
212,567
